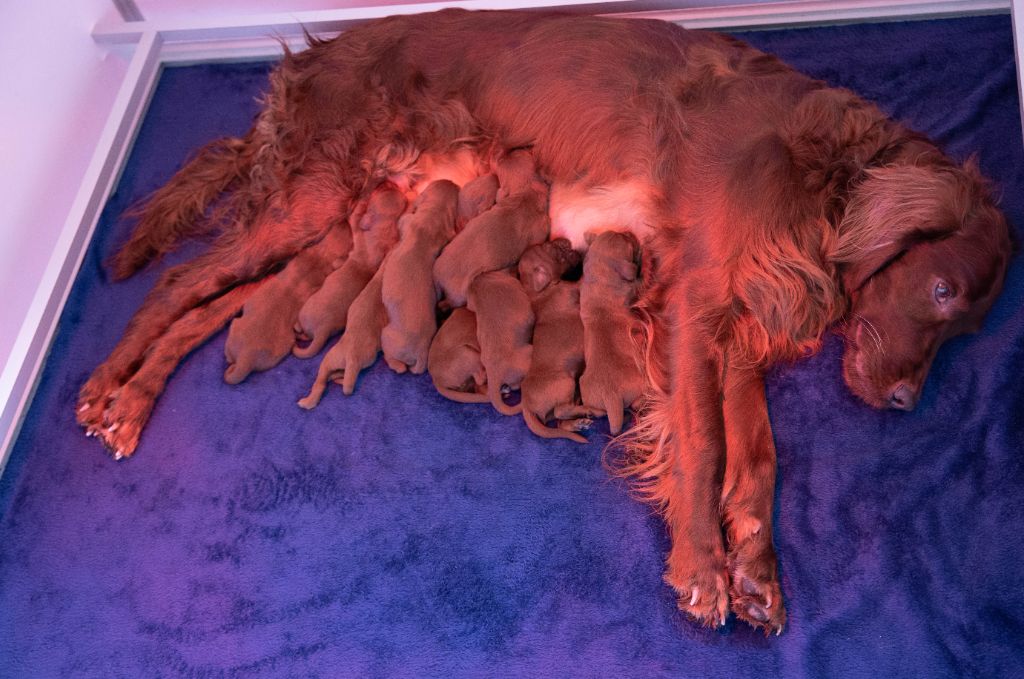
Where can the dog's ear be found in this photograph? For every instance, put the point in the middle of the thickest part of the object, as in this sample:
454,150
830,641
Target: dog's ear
891,210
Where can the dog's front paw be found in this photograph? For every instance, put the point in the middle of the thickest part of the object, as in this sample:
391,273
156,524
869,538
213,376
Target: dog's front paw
756,596
702,591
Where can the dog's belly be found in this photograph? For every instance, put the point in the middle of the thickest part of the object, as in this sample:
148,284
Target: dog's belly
578,208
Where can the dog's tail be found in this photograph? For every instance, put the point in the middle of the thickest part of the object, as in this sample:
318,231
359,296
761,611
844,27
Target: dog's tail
494,393
177,210
461,396
540,429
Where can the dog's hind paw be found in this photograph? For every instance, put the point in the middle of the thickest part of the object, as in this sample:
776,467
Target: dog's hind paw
124,419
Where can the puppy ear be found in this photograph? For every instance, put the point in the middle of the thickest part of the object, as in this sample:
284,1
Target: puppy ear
540,278
626,269
893,208
634,243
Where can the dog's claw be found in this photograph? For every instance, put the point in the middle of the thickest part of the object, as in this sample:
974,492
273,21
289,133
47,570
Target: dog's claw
112,428
85,406
696,594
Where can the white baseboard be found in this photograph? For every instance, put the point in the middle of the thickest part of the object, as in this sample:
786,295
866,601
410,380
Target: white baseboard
25,362
256,36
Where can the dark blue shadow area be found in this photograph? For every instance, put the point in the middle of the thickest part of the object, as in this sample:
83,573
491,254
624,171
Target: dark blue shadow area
396,534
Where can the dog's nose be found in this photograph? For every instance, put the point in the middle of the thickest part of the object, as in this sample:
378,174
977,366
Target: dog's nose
902,397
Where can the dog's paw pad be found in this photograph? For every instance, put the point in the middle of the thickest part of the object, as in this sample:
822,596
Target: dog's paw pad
756,596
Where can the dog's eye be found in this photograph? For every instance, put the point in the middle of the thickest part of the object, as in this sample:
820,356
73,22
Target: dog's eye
942,292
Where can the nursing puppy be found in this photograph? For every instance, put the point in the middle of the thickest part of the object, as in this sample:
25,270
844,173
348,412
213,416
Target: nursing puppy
612,379
264,333
477,197
497,238
454,359
358,347
543,264
549,388
374,232
409,295
504,320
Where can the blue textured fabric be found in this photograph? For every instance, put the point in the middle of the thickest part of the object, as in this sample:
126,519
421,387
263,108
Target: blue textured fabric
396,534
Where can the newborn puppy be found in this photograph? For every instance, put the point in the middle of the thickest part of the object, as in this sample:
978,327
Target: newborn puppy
409,295
374,232
454,359
357,349
504,322
264,333
543,264
497,238
549,388
612,380
476,198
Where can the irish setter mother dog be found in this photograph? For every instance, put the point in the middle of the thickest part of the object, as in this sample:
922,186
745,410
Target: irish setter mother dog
771,205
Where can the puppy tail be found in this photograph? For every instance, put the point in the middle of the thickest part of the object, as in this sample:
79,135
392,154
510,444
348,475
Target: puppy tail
316,343
540,429
312,399
462,396
328,368
235,373
177,210
352,371
615,412
494,393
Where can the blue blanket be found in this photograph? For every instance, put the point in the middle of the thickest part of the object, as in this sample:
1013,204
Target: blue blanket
397,534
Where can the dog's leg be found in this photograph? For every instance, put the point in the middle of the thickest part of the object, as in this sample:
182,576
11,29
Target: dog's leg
275,237
132,404
747,497
689,481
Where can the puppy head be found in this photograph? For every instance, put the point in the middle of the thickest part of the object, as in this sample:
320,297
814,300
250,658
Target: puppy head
545,263
517,173
385,204
618,250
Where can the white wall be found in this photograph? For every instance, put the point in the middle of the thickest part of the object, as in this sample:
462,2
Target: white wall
57,88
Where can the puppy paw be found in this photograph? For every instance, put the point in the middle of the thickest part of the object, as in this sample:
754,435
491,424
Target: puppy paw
703,593
579,424
756,596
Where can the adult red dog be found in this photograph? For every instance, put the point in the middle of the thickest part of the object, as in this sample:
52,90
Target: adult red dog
771,206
